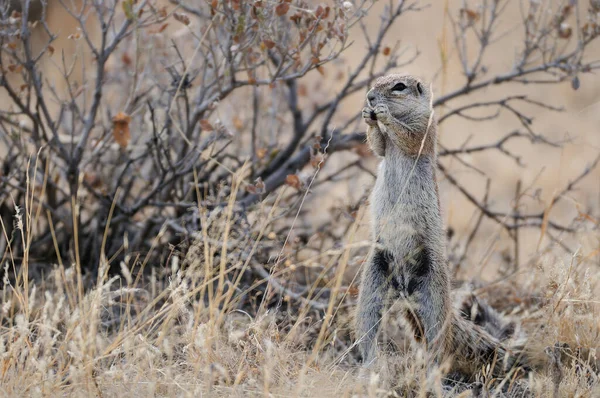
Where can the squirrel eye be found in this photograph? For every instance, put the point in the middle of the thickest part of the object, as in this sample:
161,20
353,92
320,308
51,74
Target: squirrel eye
399,87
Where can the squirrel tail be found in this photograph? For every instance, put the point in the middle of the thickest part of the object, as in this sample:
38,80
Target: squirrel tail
480,336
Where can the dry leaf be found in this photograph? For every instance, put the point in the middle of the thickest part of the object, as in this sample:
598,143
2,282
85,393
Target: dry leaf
353,291
121,129
206,126
50,50
15,68
386,51
126,59
93,179
269,43
471,15
261,153
237,123
319,12
293,181
566,11
251,78
296,18
282,9
302,90
564,31
181,17
317,160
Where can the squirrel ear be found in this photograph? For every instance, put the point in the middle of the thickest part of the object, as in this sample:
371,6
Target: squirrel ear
419,88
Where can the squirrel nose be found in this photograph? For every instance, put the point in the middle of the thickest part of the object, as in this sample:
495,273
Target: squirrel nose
371,97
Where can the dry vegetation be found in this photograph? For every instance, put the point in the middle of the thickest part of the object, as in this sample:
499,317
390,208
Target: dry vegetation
183,192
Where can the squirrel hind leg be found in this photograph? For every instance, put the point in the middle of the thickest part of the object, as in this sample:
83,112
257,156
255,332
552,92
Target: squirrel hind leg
428,287
371,299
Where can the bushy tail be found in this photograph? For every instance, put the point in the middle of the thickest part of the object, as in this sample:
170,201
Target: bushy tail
482,337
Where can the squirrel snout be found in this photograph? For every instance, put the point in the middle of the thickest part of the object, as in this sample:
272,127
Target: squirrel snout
371,98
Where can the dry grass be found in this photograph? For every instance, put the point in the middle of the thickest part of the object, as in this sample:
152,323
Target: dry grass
153,336
187,320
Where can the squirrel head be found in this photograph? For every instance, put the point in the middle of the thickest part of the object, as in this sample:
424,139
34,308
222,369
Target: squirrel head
409,100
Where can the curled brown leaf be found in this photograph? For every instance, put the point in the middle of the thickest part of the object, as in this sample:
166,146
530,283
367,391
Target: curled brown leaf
282,9
121,129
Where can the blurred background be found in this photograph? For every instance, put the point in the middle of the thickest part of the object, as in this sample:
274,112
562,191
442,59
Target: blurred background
432,40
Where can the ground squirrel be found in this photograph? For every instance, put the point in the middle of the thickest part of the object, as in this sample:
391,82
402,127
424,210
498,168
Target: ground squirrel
409,258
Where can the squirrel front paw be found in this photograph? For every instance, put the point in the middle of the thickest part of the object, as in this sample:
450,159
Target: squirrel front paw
382,113
369,116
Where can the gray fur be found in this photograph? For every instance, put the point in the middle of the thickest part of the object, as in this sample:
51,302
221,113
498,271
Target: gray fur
409,257
406,215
